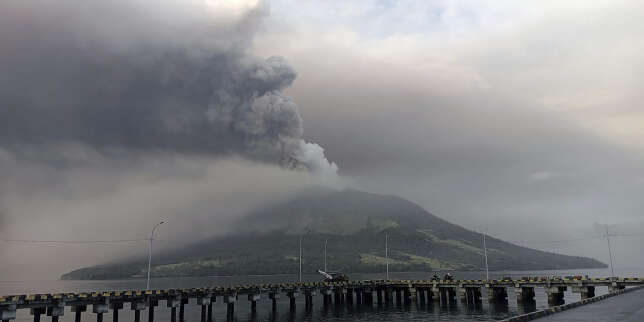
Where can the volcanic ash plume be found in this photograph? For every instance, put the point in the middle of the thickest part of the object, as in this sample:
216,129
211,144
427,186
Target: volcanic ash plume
146,76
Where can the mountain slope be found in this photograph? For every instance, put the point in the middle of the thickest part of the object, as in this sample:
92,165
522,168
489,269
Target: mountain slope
355,224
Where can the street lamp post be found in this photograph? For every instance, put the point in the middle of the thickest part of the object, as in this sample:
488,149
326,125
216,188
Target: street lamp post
610,252
487,270
150,252
387,253
325,243
300,259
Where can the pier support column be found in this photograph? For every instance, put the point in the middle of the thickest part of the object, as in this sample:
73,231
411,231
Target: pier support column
36,312
448,294
308,299
337,296
422,298
204,300
349,297
615,287
182,308
253,298
410,295
473,295
388,296
367,296
436,294
56,310
213,299
291,297
151,304
462,294
274,297
100,308
586,292
398,296
379,296
326,294
8,312
555,295
524,294
116,306
173,303
77,309
230,305
497,294
137,306
359,300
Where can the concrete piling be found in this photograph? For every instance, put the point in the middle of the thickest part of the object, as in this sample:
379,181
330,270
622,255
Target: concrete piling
230,305
137,306
388,297
274,297
116,306
8,312
398,296
497,294
76,309
291,296
204,301
152,303
555,295
585,292
213,299
36,312
253,298
524,294
182,308
56,310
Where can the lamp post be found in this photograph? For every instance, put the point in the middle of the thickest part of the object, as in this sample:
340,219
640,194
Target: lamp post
325,243
300,259
150,252
487,270
610,252
387,253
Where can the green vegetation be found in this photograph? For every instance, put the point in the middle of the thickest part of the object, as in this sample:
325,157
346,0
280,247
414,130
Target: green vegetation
355,224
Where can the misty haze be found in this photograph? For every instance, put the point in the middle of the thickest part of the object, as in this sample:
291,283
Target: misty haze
193,143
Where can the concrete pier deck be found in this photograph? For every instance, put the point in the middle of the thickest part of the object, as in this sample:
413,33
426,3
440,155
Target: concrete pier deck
628,307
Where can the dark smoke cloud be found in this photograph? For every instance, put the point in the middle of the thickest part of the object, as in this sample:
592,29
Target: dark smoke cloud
172,75
115,114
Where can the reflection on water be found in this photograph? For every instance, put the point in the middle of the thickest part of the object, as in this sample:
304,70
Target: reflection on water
432,311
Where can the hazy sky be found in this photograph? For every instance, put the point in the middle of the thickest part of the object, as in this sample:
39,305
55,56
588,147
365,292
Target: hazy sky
523,118
519,118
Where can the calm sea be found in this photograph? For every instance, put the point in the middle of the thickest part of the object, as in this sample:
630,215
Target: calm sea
430,312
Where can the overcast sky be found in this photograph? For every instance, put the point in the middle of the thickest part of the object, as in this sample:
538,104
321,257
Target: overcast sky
523,118
520,118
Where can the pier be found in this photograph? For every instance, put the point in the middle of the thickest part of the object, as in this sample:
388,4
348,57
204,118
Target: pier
354,293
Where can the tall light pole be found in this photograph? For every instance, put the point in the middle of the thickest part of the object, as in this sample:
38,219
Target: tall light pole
300,258
326,240
487,269
610,252
387,253
150,252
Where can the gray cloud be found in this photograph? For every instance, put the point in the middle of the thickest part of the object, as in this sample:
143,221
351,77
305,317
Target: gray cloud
173,76
116,114
460,121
